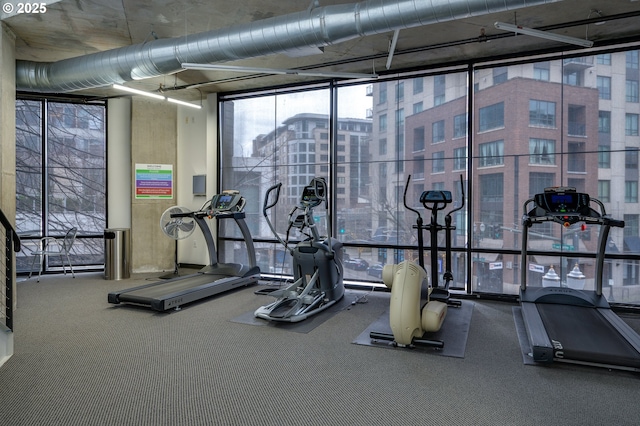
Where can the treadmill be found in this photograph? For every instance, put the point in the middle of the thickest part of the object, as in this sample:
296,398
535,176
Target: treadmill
566,324
214,278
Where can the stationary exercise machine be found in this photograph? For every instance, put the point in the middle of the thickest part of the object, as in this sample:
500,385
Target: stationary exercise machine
317,261
215,278
567,323
410,322
436,201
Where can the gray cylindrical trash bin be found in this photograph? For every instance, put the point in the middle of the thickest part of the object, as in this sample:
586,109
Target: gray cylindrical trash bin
117,253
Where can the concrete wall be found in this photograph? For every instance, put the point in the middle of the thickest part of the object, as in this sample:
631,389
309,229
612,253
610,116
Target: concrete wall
7,158
153,141
7,124
192,160
197,155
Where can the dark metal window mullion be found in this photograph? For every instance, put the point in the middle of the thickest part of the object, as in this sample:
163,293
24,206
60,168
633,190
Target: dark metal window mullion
333,156
470,153
44,203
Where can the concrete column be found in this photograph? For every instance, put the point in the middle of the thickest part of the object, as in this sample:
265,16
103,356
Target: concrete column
119,165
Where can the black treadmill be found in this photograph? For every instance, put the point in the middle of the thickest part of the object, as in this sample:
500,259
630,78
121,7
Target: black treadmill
566,324
214,278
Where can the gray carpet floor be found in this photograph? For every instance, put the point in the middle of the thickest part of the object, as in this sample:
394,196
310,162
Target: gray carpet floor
82,361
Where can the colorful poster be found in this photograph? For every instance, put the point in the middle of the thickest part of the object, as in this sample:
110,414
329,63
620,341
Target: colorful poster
154,181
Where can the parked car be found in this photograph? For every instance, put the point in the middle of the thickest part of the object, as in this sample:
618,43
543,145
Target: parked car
356,264
375,270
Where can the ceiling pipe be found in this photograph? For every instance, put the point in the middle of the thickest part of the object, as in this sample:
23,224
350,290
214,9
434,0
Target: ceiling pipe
314,27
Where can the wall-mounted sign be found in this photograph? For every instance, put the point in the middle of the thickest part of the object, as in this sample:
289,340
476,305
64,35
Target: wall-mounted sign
154,181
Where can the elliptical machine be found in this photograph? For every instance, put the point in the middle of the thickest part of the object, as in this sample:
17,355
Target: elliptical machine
435,201
317,261
409,320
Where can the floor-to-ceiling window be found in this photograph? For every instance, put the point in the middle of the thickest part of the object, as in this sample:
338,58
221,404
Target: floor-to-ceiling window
528,126
282,138
60,178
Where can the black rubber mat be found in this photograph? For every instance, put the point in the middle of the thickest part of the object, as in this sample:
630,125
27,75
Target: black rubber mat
454,333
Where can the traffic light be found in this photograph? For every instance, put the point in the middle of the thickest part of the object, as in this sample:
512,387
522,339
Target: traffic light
341,229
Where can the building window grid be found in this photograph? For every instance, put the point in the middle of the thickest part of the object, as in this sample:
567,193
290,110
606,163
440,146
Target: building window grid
491,117
604,122
631,225
631,191
604,190
631,124
631,89
604,87
460,126
437,163
631,159
604,157
632,59
542,151
437,131
541,71
491,154
542,113
460,158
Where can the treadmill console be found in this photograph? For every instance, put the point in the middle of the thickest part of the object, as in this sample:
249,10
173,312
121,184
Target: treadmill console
228,201
563,201
563,204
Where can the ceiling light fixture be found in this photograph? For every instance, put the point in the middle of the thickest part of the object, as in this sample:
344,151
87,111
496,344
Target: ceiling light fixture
232,68
138,92
179,102
543,34
153,95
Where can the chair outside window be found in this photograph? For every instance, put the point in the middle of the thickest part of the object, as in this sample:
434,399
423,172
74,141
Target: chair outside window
50,246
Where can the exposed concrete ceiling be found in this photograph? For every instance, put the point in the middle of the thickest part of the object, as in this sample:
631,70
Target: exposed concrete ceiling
74,28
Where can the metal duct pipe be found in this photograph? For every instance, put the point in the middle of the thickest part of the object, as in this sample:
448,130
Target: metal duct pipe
318,27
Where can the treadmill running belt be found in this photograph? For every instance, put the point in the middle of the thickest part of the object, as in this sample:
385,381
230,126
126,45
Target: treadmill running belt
168,288
586,336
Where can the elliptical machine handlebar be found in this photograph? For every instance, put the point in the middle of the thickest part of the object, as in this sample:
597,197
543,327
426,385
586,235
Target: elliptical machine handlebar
269,205
462,194
404,199
266,206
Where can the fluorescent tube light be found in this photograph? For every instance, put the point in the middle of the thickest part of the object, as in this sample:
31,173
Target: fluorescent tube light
138,92
154,96
543,34
232,68
179,102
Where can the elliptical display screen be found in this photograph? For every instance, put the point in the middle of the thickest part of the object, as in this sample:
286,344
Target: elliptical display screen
309,197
